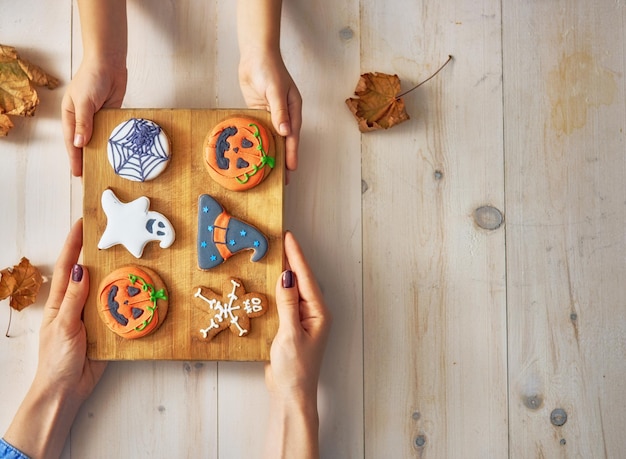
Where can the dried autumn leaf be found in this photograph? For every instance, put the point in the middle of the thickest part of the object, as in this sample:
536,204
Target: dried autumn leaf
8,284
17,94
5,125
380,104
377,106
22,283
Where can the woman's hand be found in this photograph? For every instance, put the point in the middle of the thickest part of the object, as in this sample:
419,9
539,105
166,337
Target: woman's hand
65,376
295,360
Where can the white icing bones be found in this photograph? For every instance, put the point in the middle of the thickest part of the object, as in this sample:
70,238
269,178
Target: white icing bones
133,225
235,313
138,150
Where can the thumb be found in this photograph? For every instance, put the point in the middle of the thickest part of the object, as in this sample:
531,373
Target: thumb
279,112
83,123
288,300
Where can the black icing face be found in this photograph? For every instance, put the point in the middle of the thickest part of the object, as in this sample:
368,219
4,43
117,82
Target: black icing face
156,227
231,140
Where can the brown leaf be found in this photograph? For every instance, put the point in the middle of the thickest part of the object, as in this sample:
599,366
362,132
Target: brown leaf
22,284
7,284
5,125
17,94
378,106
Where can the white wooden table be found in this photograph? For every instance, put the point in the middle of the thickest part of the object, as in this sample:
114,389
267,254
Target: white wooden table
453,337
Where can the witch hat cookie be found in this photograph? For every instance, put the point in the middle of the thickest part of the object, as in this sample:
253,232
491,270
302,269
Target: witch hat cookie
220,236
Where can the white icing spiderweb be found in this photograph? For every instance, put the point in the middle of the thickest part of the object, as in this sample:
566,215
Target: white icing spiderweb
136,149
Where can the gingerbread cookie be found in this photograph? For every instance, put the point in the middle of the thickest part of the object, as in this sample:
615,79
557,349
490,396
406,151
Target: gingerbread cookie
238,153
132,301
231,310
220,236
138,150
133,225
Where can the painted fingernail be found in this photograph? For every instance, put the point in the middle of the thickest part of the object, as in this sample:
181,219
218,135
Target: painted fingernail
77,273
78,140
288,279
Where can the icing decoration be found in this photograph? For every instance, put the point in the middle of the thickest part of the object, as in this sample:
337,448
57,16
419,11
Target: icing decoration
133,225
138,150
234,310
133,301
238,153
220,236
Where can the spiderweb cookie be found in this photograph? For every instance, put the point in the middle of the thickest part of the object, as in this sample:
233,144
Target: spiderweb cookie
138,150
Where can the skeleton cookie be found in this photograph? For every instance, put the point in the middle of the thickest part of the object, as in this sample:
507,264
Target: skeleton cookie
232,310
133,225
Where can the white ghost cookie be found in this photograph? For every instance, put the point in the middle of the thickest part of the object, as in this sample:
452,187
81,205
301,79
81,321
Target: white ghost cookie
133,225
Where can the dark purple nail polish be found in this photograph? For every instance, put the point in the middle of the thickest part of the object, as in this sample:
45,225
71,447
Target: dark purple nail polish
77,273
288,279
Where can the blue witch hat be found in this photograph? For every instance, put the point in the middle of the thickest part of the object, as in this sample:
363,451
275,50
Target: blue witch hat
220,236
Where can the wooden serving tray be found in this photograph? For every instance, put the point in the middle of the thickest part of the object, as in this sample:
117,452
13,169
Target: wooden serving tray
175,194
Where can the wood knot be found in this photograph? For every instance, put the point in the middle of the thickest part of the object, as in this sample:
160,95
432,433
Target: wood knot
488,217
558,417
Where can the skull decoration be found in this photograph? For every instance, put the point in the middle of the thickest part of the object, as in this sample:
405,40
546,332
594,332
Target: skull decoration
133,301
239,153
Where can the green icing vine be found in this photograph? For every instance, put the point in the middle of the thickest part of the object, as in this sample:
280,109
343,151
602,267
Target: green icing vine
266,160
154,296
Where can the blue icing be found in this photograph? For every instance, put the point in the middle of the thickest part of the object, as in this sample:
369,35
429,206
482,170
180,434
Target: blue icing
239,235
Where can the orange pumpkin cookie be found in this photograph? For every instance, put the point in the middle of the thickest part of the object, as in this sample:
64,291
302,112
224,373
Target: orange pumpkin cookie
238,153
132,301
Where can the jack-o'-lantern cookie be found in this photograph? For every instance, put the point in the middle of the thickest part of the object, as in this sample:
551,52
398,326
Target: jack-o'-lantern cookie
132,301
239,153
233,309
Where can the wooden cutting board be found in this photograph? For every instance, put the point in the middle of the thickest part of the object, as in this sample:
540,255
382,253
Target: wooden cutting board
175,194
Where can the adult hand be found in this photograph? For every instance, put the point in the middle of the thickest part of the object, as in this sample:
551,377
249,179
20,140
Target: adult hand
63,363
65,376
295,359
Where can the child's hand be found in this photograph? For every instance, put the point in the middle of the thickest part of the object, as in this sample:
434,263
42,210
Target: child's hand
266,84
96,85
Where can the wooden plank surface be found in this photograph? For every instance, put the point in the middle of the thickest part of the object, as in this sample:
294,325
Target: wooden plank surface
457,378
566,220
175,194
434,280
